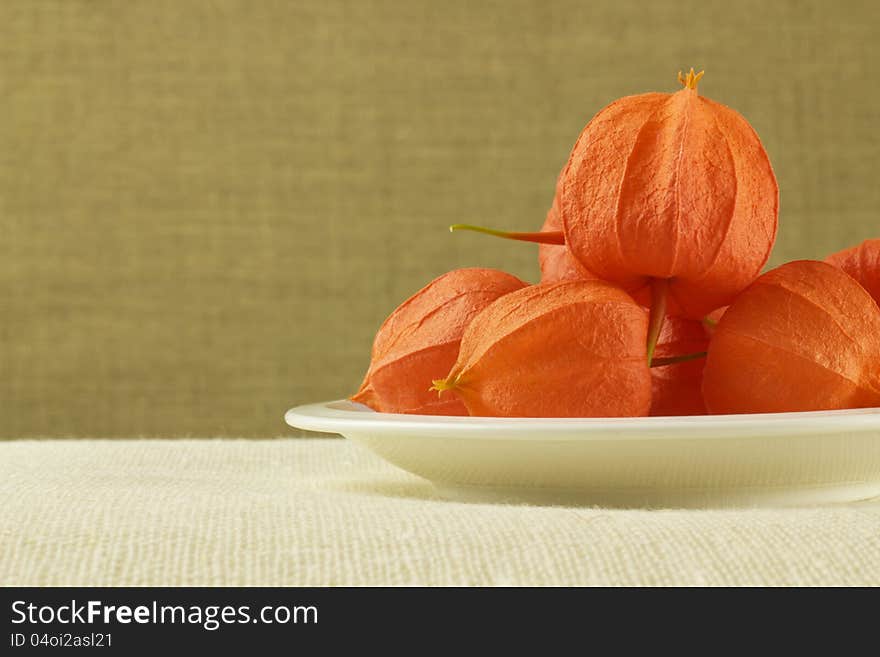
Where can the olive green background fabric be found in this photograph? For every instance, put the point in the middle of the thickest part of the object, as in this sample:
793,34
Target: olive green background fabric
207,208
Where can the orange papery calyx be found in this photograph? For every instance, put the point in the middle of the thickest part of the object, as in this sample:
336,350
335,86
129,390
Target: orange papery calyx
566,349
804,336
862,262
677,368
421,337
671,187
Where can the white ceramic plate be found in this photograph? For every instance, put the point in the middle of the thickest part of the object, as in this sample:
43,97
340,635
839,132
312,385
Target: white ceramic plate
720,460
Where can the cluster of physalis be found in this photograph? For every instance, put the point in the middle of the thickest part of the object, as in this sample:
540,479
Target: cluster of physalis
651,299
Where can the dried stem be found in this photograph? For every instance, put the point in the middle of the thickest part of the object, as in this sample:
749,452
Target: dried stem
540,237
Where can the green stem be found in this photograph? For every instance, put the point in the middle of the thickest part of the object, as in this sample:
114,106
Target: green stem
672,360
659,291
541,237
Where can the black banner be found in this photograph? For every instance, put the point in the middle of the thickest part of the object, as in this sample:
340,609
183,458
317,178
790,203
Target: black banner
172,621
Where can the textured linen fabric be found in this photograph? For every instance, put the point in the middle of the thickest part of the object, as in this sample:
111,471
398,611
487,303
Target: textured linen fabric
325,512
208,207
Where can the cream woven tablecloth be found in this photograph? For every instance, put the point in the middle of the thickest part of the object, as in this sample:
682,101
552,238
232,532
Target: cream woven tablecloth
325,512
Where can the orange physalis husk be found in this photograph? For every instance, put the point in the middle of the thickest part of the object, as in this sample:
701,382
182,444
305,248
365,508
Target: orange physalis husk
677,388
803,337
862,262
670,196
421,337
557,263
568,349
675,187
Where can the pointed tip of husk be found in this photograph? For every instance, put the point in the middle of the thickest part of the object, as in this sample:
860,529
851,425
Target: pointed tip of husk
691,80
442,385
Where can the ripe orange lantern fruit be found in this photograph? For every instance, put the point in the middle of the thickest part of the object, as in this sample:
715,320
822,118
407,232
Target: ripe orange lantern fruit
862,262
421,338
802,337
677,387
567,349
672,197
671,191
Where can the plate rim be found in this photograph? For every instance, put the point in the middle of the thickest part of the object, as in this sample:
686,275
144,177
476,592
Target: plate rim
346,417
